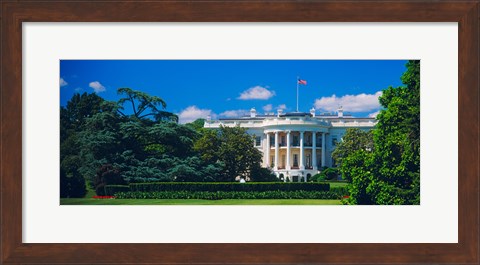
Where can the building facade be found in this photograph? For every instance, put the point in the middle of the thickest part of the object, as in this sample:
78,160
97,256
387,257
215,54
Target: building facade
296,145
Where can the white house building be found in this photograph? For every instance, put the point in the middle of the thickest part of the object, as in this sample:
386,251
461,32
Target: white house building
296,144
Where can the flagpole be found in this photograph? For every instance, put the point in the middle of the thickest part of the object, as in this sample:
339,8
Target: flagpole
297,92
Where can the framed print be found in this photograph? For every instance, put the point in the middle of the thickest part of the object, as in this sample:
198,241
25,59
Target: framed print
40,43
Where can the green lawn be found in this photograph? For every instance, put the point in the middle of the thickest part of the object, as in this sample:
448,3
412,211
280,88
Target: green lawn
90,201
337,184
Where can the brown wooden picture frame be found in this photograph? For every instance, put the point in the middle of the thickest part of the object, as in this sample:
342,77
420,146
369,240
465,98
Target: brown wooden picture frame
14,13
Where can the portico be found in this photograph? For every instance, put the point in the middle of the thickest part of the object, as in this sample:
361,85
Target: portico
293,151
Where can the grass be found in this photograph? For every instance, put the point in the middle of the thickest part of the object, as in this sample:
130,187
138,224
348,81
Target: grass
337,184
91,201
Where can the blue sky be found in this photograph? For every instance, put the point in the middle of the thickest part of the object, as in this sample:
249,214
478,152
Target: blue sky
227,88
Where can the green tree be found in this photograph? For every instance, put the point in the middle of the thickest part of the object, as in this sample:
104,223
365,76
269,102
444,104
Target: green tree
208,146
73,118
197,125
391,173
170,138
78,108
397,141
100,142
233,148
237,152
140,146
144,105
72,184
353,140
359,167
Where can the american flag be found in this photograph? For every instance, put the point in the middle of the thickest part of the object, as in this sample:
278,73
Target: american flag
302,82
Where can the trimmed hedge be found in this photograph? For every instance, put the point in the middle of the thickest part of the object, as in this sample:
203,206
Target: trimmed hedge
214,187
206,195
340,190
110,190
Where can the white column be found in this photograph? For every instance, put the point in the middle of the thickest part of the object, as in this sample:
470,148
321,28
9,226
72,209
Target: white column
302,166
314,150
324,146
267,152
276,151
288,167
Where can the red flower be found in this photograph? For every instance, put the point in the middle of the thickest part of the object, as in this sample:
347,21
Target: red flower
103,197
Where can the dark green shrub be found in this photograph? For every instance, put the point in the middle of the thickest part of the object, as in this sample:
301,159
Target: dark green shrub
261,174
107,175
340,190
110,190
72,186
230,186
318,177
331,173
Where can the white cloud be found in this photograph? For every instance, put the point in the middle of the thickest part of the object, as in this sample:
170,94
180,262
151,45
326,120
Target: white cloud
354,103
192,113
256,92
374,114
97,87
282,106
268,107
234,113
78,89
63,82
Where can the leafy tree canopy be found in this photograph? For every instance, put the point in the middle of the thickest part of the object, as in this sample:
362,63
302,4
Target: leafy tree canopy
144,105
391,173
232,146
78,108
354,139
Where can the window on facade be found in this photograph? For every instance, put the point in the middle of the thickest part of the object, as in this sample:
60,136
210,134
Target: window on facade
309,161
295,160
258,141
308,141
272,141
272,163
282,141
295,140
319,141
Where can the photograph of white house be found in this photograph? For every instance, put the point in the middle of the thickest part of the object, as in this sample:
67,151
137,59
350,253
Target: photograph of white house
239,132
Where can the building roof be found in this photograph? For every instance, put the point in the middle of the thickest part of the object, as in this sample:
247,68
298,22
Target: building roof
296,114
325,115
